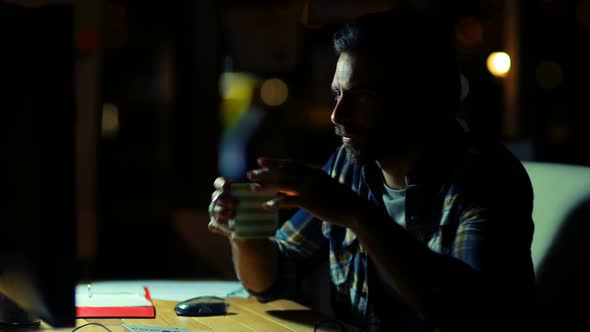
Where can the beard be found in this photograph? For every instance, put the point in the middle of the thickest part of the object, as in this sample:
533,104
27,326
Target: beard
363,147
375,144
357,155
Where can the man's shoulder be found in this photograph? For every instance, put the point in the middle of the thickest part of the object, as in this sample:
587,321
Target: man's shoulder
484,164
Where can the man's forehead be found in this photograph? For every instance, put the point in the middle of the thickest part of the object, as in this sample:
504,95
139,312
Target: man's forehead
357,69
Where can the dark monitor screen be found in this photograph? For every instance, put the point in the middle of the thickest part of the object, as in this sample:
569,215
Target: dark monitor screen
37,180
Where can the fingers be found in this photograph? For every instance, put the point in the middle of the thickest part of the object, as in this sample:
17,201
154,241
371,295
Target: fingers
223,205
268,189
282,173
275,189
265,176
224,199
284,178
284,202
215,194
221,211
222,184
216,228
273,162
222,208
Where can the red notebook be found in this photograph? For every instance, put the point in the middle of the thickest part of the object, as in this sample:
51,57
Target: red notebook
115,303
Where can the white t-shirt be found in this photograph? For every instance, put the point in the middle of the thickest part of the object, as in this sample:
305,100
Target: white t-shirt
394,201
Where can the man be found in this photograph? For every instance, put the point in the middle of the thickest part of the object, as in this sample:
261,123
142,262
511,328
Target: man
426,227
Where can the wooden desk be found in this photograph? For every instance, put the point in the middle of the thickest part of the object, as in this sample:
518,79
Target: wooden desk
243,315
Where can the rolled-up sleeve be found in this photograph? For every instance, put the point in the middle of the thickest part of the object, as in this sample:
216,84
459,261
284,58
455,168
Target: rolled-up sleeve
300,243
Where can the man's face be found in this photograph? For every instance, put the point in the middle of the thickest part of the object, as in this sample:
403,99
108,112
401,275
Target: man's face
367,108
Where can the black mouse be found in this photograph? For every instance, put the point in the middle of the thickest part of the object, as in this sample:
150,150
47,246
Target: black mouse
202,306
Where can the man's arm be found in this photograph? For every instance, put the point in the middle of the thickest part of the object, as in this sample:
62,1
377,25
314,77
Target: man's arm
256,263
487,273
268,268
413,269
485,280
255,260
272,268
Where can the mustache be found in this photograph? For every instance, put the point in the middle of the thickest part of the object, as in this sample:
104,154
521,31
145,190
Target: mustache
342,131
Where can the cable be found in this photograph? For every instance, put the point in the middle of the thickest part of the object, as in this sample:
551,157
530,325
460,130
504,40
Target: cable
99,324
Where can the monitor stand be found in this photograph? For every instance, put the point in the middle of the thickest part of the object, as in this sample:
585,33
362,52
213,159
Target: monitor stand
12,315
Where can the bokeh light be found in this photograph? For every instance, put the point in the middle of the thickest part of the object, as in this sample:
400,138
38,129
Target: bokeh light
236,90
499,63
110,120
274,92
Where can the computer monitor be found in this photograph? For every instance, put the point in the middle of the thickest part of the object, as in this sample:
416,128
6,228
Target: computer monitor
37,207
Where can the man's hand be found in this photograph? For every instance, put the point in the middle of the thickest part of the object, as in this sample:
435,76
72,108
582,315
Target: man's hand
255,260
222,207
310,189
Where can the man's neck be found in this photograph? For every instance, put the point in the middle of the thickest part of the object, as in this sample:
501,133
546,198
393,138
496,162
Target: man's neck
395,171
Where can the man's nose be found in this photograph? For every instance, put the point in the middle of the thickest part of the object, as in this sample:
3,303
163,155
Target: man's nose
340,113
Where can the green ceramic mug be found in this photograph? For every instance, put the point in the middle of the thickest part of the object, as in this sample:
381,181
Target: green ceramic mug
252,220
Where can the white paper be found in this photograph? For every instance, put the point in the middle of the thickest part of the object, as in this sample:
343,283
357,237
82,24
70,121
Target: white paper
153,328
171,290
104,295
100,300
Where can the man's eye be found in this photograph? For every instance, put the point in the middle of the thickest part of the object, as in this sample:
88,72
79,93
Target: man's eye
336,95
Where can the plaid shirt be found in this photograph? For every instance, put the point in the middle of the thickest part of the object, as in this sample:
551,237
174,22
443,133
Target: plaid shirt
454,205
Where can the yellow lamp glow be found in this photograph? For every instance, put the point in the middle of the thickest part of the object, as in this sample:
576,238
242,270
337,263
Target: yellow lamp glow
499,64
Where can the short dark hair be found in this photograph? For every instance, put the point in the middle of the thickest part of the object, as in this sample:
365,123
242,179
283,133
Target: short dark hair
422,45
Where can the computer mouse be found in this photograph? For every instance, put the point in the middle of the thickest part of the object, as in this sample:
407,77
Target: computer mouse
202,306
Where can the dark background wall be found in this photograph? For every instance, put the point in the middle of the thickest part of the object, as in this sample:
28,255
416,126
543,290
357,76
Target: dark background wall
161,85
